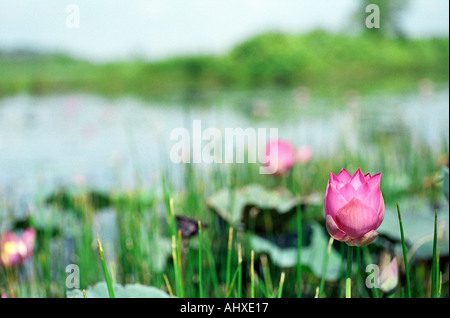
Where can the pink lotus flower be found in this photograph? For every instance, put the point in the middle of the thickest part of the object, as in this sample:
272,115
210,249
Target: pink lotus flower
354,207
304,154
4,295
14,250
280,156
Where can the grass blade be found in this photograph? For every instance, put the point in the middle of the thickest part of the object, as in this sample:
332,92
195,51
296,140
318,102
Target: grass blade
434,269
200,260
299,252
169,287
348,277
405,254
229,251
280,288
175,265
239,271
325,266
105,269
252,275
266,273
212,268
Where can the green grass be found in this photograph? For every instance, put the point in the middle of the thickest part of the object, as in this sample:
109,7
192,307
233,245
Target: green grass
328,64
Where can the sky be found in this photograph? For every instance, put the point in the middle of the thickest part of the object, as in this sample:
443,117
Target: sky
155,29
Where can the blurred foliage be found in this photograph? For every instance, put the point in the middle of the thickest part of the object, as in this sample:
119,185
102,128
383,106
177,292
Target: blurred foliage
326,63
285,253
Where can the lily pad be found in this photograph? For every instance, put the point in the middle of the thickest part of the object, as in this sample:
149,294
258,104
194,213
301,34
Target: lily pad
100,290
312,257
418,227
69,198
256,206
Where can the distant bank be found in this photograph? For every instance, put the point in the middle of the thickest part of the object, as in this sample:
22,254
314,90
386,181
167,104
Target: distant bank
325,63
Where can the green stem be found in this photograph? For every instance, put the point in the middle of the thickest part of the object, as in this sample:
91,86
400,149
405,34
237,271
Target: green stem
235,276
266,273
325,266
434,270
212,268
175,267
358,268
405,254
200,260
180,268
105,269
348,276
280,288
239,271
299,253
229,250
252,275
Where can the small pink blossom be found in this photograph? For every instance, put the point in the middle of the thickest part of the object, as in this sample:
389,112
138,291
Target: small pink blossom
388,278
14,249
304,154
281,155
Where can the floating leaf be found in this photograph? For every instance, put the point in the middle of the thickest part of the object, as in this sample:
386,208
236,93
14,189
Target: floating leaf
69,199
100,290
418,225
313,253
256,207
161,250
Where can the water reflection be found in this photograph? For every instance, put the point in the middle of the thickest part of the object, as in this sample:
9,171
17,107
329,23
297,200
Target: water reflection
72,139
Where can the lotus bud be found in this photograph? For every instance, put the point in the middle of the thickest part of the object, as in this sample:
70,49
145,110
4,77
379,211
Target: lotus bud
354,207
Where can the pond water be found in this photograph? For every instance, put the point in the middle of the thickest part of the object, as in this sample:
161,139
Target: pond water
48,141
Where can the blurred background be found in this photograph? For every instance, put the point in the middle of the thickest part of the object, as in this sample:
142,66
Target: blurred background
90,91
82,88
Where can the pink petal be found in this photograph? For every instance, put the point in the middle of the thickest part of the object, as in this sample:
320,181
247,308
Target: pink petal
334,201
363,191
380,213
280,153
366,239
344,176
388,279
9,236
29,237
333,179
357,179
356,218
373,200
374,181
391,269
367,176
348,192
333,229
